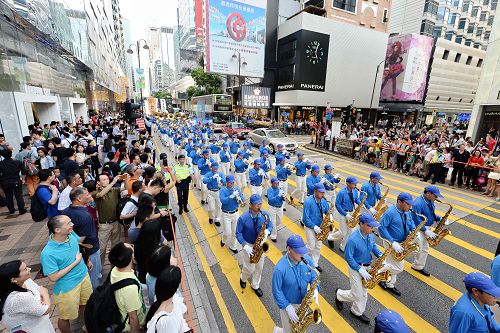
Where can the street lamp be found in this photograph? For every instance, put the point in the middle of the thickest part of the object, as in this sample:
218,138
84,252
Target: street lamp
237,55
138,47
373,90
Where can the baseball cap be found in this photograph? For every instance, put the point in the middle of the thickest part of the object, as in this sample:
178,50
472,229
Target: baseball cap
205,152
265,152
279,158
275,180
257,161
296,243
319,187
315,168
215,165
351,180
230,179
391,322
367,218
328,167
280,145
482,282
406,197
224,145
240,153
300,154
434,190
376,175
255,199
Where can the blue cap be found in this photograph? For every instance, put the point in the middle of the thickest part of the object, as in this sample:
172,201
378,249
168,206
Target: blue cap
229,179
255,199
351,180
319,187
434,190
328,167
315,168
257,161
296,243
391,322
280,145
239,153
300,154
376,175
367,218
215,165
482,282
406,197
279,158
275,180
224,145
205,152
265,152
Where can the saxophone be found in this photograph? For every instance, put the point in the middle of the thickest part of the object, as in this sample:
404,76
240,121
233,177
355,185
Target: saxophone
374,272
381,206
326,225
408,244
355,216
307,312
440,229
239,200
260,246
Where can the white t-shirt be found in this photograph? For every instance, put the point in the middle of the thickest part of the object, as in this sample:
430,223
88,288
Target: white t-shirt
172,322
129,207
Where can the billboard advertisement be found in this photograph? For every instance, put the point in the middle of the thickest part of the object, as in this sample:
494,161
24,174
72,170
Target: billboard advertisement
236,25
140,80
256,97
188,59
406,66
198,20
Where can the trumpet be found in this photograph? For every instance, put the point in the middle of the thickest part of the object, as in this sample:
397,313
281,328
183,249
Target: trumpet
240,201
327,182
290,167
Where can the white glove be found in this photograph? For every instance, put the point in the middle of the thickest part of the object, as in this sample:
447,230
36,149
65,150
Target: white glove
281,193
209,163
216,176
373,210
418,238
430,234
267,232
337,175
348,217
397,247
261,172
316,296
245,161
290,310
323,180
364,274
266,175
235,193
248,249
305,160
317,229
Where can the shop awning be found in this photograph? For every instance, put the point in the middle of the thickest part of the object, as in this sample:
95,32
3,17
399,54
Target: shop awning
399,107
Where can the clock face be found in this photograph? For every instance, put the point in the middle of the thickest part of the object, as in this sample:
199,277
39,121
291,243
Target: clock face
314,52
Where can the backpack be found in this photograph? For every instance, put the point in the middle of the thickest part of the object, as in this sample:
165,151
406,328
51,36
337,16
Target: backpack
121,204
29,168
38,211
102,314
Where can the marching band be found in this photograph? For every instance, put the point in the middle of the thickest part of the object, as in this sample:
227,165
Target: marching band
296,276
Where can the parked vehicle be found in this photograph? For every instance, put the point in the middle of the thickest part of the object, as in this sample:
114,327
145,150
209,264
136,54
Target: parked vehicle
274,137
237,128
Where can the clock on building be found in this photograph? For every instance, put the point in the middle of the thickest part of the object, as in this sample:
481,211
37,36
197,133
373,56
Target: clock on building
314,52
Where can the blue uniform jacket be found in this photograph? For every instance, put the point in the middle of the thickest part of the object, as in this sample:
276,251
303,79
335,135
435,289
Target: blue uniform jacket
392,224
233,147
266,164
301,167
203,166
495,271
425,207
230,204
282,173
212,183
311,215
224,155
248,227
358,249
374,194
255,179
240,166
214,149
273,198
280,154
343,202
466,316
310,181
332,179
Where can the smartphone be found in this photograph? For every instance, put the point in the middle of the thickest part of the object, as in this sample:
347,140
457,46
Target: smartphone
165,162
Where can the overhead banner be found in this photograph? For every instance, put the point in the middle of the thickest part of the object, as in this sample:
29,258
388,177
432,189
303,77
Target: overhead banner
152,102
256,97
406,66
198,20
236,26
163,105
140,80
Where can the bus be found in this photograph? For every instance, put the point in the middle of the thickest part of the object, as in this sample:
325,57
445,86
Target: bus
215,109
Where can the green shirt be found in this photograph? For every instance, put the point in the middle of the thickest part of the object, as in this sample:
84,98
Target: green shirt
107,205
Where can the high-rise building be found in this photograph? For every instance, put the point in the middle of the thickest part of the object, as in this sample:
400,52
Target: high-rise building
186,23
119,33
371,14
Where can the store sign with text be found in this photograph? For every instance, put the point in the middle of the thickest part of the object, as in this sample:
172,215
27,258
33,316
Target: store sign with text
256,97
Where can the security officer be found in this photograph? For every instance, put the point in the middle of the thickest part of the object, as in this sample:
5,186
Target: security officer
472,312
345,203
225,159
424,205
389,321
291,278
256,175
275,198
300,172
229,196
395,226
247,229
183,173
372,188
312,179
358,254
204,164
214,179
240,169
283,172
315,208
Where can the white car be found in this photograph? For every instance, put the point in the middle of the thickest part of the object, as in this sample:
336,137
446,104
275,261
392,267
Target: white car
273,137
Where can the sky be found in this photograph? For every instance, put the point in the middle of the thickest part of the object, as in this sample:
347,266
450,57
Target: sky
145,13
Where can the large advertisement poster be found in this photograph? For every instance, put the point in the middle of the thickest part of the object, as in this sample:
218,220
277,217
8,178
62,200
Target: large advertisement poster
140,80
198,19
236,25
406,66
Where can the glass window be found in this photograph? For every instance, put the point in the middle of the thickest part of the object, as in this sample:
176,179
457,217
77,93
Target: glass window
453,18
449,35
486,2
487,35
490,20
348,5
477,45
493,6
469,60
474,11
479,62
286,74
468,42
458,55
458,39
470,28
427,27
479,32
482,17
446,53
461,23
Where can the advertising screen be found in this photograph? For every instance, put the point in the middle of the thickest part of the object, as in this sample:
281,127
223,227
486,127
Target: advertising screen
236,25
406,66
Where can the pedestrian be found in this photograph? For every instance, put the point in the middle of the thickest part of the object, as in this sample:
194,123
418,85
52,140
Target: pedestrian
460,158
62,263
73,180
11,182
24,305
161,259
47,193
473,168
183,174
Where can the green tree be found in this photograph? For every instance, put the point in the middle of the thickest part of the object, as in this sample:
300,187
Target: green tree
162,94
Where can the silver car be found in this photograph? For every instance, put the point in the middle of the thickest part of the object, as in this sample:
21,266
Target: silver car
273,137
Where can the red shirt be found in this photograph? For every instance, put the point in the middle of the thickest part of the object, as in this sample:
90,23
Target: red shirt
491,145
473,159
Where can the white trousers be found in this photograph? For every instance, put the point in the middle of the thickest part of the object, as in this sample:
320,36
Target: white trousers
216,157
393,266
330,196
284,186
314,245
343,234
231,160
225,168
256,190
229,229
214,205
254,270
241,181
285,321
423,252
204,190
196,175
276,215
300,190
358,295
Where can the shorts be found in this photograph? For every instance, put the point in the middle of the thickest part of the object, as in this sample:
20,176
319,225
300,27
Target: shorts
68,303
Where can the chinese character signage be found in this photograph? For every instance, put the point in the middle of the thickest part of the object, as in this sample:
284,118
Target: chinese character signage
406,67
236,25
256,97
